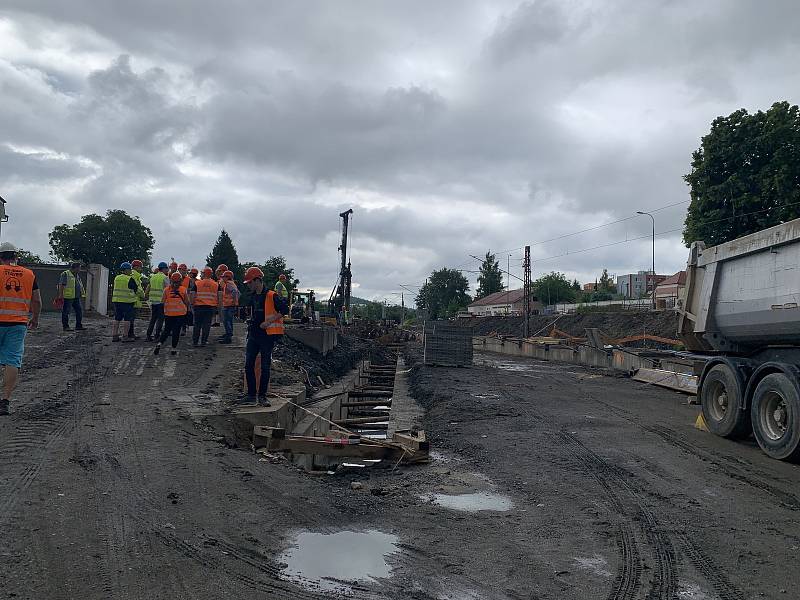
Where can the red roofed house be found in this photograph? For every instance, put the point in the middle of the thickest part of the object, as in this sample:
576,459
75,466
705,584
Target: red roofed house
671,288
503,303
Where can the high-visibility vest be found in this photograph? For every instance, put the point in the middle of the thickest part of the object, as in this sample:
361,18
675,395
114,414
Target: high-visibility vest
122,294
276,327
158,283
174,302
281,289
140,293
69,289
206,294
229,299
16,291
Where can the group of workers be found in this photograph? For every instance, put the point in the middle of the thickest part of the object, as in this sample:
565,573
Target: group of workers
178,297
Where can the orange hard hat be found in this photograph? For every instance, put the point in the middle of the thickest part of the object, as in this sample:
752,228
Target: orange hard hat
228,274
223,267
173,265
208,272
253,273
194,271
137,263
182,267
282,277
177,277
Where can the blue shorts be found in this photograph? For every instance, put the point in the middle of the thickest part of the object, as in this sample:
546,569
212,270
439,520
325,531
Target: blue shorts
12,345
124,311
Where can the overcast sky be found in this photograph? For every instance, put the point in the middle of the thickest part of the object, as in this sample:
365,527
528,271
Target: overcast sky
450,127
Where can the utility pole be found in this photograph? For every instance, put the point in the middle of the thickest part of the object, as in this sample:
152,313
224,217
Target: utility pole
3,215
526,290
653,295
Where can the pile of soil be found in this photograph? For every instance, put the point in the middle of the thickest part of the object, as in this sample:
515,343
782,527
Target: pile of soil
616,324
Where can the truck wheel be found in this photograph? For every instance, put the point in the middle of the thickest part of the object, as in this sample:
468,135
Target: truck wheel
776,417
721,397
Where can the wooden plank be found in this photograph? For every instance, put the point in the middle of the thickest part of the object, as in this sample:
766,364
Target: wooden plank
321,447
366,403
644,337
375,394
359,421
415,442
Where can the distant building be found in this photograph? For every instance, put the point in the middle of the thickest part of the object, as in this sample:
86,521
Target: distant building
671,288
638,285
589,287
503,303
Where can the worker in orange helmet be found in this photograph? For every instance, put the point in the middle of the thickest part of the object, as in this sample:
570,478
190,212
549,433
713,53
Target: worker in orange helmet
218,272
173,268
265,329
206,300
176,307
230,303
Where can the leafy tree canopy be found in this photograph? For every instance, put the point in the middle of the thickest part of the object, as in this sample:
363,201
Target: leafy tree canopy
553,288
606,284
109,240
224,253
273,267
444,294
490,277
25,257
745,175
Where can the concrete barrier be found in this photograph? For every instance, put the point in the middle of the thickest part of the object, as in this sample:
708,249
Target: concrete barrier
321,339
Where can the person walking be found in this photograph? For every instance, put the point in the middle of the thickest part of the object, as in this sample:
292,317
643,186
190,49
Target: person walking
205,302
155,295
280,286
20,306
265,329
71,291
124,296
230,304
175,300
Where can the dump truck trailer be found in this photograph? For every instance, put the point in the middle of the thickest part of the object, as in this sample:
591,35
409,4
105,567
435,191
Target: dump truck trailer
741,309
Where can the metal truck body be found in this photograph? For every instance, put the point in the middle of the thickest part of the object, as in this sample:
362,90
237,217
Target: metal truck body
741,306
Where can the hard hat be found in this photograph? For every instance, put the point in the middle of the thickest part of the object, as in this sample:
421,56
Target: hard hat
8,247
228,274
176,277
282,277
207,272
182,267
126,266
194,271
173,265
136,263
253,273
222,267
162,265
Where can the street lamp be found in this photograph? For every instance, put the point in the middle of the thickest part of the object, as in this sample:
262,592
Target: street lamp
3,215
653,295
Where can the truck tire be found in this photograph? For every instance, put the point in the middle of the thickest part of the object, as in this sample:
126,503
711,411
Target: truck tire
775,413
721,398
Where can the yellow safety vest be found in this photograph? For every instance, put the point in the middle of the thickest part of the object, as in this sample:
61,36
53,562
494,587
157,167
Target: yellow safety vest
158,283
140,294
122,294
69,289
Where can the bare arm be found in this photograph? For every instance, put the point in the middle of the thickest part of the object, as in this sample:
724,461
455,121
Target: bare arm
36,308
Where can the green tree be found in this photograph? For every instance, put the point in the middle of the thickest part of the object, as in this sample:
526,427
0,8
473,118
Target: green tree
553,288
224,253
273,267
444,294
490,277
109,240
606,284
29,258
745,175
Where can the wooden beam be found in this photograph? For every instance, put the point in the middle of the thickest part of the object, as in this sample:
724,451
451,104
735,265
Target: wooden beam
366,403
360,421
414,442
375,394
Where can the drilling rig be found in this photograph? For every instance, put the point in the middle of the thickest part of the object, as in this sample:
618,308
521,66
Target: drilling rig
339,302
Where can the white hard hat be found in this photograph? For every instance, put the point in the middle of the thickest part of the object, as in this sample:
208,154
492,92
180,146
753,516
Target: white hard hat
8,247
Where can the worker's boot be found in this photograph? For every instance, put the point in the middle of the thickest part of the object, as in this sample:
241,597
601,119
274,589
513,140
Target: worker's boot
116,338
157,348
262,401
3,408
246,400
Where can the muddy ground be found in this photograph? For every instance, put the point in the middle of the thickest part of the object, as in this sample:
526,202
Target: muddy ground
113,486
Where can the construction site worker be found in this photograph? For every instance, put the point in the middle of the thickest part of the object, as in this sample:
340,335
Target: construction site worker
173,268
20,305
280,286
218,272
189,281
175,299
71,291
124,296
136,273
265,328
155,295
206,300
230,304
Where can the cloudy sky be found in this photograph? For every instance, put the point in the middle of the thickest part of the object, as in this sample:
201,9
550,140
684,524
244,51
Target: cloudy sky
450,127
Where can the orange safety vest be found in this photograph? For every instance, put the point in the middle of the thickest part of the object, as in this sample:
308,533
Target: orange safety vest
206,294
228,299
16,292
276,327
175,302
185,282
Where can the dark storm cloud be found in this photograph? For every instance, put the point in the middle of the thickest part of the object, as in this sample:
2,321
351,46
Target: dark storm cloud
450,127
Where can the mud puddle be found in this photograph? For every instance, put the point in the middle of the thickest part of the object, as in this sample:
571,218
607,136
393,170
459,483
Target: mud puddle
475,502
336,561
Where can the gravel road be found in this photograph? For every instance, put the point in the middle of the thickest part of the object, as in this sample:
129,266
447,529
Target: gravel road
112,485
